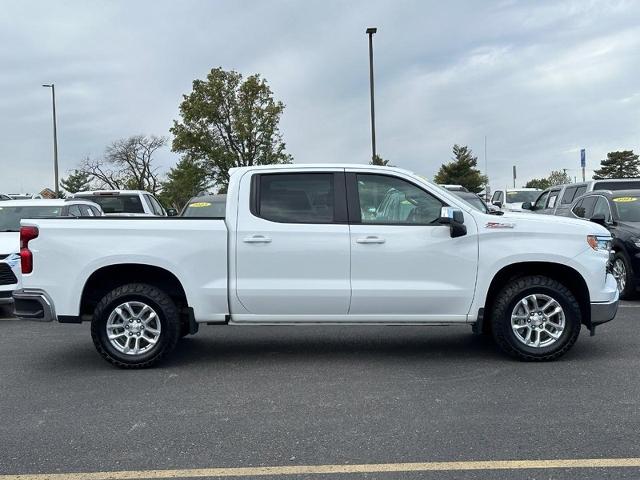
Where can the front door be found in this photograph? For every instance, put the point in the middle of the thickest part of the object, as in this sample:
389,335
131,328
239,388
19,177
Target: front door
292,250
404,264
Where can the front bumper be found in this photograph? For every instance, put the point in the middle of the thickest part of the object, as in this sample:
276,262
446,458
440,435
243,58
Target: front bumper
603,312
33,304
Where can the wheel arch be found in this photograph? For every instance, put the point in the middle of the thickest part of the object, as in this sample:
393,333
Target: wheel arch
106,278
565,274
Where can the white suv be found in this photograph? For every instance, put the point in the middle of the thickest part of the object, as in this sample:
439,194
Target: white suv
130,203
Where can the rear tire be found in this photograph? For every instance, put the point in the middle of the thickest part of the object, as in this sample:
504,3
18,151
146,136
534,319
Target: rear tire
135,326
536,318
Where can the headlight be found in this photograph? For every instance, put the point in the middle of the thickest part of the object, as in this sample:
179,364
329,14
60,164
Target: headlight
636,241
599,243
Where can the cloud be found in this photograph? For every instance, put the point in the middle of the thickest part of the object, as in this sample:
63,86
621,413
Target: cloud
541,80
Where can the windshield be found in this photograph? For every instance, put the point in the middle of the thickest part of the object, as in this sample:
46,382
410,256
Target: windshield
116,203
628,208
210,209
10,216
521,196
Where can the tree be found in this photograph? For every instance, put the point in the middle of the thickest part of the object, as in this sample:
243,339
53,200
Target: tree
462,171
76,181
227,122
558,177
187,179
620,164
127,164
541,183
378,160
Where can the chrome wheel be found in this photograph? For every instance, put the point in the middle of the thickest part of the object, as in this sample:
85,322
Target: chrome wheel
133,328
538,320
620,273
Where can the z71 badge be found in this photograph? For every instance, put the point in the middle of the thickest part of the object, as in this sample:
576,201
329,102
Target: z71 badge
499,225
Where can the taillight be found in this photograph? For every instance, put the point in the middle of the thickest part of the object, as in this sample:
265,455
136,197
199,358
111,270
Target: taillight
26,257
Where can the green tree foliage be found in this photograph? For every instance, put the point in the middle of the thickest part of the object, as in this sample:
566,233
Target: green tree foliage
621,164
541,183
76,181
230,122
558,177
462,170
187,179
378,160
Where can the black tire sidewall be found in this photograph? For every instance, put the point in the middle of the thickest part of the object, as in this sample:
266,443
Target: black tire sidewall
569,335
104,310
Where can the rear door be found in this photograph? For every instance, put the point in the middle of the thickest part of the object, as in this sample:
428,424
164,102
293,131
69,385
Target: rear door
404,264
292,245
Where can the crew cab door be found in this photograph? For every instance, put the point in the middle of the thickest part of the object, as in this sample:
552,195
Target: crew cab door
292,245
404,264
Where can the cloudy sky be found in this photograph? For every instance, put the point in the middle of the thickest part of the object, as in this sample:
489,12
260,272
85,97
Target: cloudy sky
540,79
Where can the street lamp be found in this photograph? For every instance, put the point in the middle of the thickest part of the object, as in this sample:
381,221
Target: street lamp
370,31
55,138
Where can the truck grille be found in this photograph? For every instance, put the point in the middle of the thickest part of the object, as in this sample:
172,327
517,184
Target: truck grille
6,275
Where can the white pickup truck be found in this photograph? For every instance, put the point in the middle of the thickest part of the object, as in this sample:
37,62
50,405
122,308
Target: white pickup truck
320,244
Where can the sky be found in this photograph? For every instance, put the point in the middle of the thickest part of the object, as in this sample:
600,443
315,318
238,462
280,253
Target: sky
540,79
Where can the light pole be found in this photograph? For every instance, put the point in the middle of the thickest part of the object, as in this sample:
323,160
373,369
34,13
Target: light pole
55,138
370,31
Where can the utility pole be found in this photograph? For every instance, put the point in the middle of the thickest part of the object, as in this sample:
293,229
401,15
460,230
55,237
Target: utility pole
55,139
371,31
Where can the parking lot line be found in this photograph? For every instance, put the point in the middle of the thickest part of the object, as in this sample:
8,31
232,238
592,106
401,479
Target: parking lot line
337,469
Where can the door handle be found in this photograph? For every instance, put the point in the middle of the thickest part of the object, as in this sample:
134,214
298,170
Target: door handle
370,239
257,239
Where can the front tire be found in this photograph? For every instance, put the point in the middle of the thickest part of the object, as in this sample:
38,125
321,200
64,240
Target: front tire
536,318
624,276
135,326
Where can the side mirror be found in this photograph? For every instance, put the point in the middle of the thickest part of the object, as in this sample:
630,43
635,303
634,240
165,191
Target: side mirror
498,203
455,219
527,206
172,212
599,219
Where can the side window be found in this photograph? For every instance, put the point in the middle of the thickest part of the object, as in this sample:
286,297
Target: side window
392,201
552,198
85,211
96,212
74,211
541,201
602,208
496,196
584,208
569,193
580,191
153,205
296,197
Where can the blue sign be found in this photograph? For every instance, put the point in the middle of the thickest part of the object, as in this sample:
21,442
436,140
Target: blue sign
583,158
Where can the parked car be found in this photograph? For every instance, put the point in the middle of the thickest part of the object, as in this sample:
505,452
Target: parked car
557,200
619,212
477,202
511,199
132,203
11,213
300,244
205,206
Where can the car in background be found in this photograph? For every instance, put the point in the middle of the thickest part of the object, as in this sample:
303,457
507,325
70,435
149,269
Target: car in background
619,212
205,206
558,199
477,202
512,199
11,213
130,203
4,197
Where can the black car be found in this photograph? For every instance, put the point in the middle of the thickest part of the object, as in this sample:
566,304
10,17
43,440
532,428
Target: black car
618,212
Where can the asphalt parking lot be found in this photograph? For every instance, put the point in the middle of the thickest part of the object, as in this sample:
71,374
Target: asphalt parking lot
305,396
